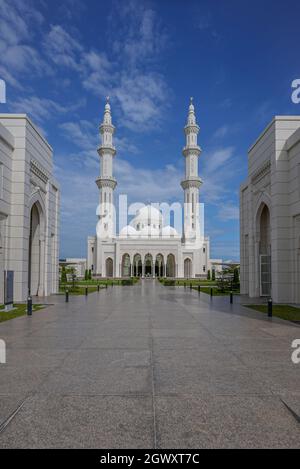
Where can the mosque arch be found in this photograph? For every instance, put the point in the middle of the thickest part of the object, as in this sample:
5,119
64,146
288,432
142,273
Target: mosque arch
171,266
126,265
188,268
109,267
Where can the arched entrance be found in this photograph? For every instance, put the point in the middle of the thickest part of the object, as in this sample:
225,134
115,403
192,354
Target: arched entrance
171,266
264,246
187,268
35,255
159,265
126,265
148,265
109,267
137,265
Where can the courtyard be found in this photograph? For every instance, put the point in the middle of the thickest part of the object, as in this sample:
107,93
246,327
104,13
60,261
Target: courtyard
148,366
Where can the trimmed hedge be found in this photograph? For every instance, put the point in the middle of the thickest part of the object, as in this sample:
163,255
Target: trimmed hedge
127,281
169,283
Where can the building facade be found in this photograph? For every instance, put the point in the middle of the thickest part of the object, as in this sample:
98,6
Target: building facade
270,214
29,209
77,265
148,246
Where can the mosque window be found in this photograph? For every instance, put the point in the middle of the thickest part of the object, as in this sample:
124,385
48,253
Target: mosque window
204,268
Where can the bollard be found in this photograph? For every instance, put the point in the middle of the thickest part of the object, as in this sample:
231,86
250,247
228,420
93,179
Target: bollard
270,307
199,289
184,285
86,291
29,306
231,297
191,286
67,296
98,287
211,292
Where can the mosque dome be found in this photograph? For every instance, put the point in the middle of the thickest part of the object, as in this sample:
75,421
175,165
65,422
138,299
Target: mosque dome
148,217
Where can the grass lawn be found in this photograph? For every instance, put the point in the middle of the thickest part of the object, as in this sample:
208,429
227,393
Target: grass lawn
217,291
21,310
78,290
290,313
94,282
194,282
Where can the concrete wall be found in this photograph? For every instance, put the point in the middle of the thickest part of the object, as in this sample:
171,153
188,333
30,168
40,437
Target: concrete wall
273,180
28,167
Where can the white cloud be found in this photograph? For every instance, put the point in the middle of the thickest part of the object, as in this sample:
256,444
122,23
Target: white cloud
42,109
63,48
19,20
127,75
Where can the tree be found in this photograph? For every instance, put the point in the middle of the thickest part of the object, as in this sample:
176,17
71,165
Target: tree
90,275
63,274
208,275
86,274
213,276
236,277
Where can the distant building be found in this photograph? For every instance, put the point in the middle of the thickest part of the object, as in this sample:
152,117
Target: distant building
270,214
148,246
78,265
29,209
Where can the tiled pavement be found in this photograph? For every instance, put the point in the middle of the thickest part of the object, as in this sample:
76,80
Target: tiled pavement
148,367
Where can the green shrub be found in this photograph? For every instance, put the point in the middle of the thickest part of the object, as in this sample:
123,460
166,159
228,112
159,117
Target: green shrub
170,283
213,276
63,275
208,275
127,281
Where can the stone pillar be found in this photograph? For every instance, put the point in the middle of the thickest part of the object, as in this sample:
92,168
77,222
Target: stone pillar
153,269
143,270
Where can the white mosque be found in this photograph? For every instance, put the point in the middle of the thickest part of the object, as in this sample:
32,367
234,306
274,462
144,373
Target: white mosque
149,246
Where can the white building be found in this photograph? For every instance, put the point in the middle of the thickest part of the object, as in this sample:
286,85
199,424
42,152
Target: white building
29,209
270,214
148,246
79,265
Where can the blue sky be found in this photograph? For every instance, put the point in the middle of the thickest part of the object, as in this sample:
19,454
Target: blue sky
236,58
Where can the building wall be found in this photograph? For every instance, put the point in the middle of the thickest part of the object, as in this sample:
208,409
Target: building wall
115,249
28,168
273,180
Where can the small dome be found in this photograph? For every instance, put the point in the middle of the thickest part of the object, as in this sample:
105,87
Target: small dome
168,231
191,106
128,231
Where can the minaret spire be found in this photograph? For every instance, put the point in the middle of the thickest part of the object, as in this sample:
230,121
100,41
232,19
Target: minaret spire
192,181
106,182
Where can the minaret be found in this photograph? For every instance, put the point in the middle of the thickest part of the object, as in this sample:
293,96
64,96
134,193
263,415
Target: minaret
192,181
106,182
